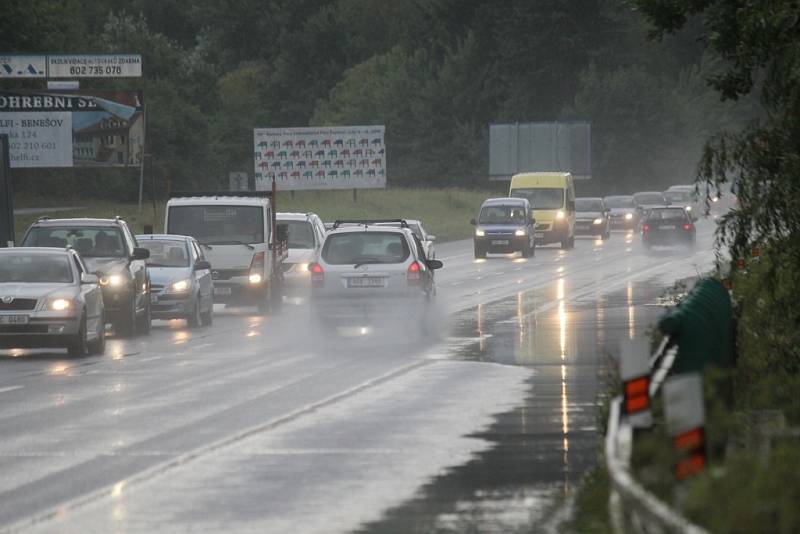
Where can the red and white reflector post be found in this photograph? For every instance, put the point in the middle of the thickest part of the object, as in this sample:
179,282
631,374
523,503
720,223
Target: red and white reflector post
685,413
634,369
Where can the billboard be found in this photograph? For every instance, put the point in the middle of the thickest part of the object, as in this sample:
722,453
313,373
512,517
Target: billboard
343,157
73,129
540,147
70,66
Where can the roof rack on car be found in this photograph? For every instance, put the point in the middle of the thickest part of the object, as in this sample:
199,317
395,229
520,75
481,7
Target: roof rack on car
365,222
251,194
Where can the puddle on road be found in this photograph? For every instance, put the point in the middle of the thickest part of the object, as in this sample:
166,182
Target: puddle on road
541,449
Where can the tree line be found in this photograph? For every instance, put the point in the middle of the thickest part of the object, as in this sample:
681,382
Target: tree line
435,72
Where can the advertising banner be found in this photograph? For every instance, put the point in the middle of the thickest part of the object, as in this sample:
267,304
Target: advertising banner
73,129
343,157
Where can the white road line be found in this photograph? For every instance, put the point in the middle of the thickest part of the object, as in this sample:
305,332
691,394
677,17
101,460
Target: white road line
10,388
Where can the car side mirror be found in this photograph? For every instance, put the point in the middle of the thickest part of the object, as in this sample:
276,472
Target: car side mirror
431,237
434,264
87,279
202,265
473,222
140,254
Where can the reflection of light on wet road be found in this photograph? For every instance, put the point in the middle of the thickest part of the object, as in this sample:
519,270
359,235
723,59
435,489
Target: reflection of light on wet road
181,337
116,349
58,369
252,333
16,353
601,322
116,491
562,329
598,242
481,341
519,260
560,269
631,313
479,260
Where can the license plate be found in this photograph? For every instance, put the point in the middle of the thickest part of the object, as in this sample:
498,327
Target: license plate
538,235
222,291
500,242
365,281
13,319
667,227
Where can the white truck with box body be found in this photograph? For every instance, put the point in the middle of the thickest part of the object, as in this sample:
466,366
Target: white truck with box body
238,233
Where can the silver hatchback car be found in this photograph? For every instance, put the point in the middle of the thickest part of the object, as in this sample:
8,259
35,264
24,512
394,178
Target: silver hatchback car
370,274
48,299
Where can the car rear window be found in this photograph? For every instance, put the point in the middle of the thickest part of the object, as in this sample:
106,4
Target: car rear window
619,202
365,247
301,234
24,267
666,214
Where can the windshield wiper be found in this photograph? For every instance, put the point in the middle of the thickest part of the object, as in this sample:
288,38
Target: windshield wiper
233,242
366,261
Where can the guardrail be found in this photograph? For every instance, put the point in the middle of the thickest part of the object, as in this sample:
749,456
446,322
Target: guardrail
631,507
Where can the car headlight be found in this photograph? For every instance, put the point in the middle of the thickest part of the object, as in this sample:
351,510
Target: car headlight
714,199
60,304
181,286
114,280
520,233
480,233
628,216
597,221
560,214
254,279
302,267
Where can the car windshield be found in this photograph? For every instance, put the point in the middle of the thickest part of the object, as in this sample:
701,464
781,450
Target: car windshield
166,252
365,247
666,214
502,215
541,199
619,202
89,241
649,198
301,234
679,196
588,204
24,267
218,224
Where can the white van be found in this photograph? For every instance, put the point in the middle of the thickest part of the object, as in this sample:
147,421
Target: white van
235,231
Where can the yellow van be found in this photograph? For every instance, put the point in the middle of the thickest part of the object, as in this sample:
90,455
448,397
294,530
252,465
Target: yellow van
552,197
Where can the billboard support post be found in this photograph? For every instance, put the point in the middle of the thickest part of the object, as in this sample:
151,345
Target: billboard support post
144,152
6,195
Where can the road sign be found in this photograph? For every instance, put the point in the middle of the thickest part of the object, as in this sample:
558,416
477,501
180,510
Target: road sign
634,370
338,157
94,66
22,66
683,403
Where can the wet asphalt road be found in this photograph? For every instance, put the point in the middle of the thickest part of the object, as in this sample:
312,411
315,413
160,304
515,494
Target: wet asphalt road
258,424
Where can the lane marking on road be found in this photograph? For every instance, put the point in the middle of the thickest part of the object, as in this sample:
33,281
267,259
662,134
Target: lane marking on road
10,388
183,459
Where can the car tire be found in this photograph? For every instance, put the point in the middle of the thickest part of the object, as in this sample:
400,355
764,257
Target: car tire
144,322
207,318
125,325
195,319
78,346
479,253
98,346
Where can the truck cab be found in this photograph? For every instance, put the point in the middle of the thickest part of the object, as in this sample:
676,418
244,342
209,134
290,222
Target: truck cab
552,198
238,236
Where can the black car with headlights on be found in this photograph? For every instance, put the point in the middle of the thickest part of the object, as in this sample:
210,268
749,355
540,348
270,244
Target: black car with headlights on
111,252
505,225
622,212
592,218
666,226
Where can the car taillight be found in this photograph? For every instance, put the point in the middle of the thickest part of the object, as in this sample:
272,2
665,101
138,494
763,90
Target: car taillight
257,269
646,228
413,274
317,275
687,227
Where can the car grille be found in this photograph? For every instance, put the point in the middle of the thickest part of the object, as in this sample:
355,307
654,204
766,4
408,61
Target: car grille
499,234
18,304
543,226
227,274
156,288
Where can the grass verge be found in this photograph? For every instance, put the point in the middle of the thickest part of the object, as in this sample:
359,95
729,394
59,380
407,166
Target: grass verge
445,212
